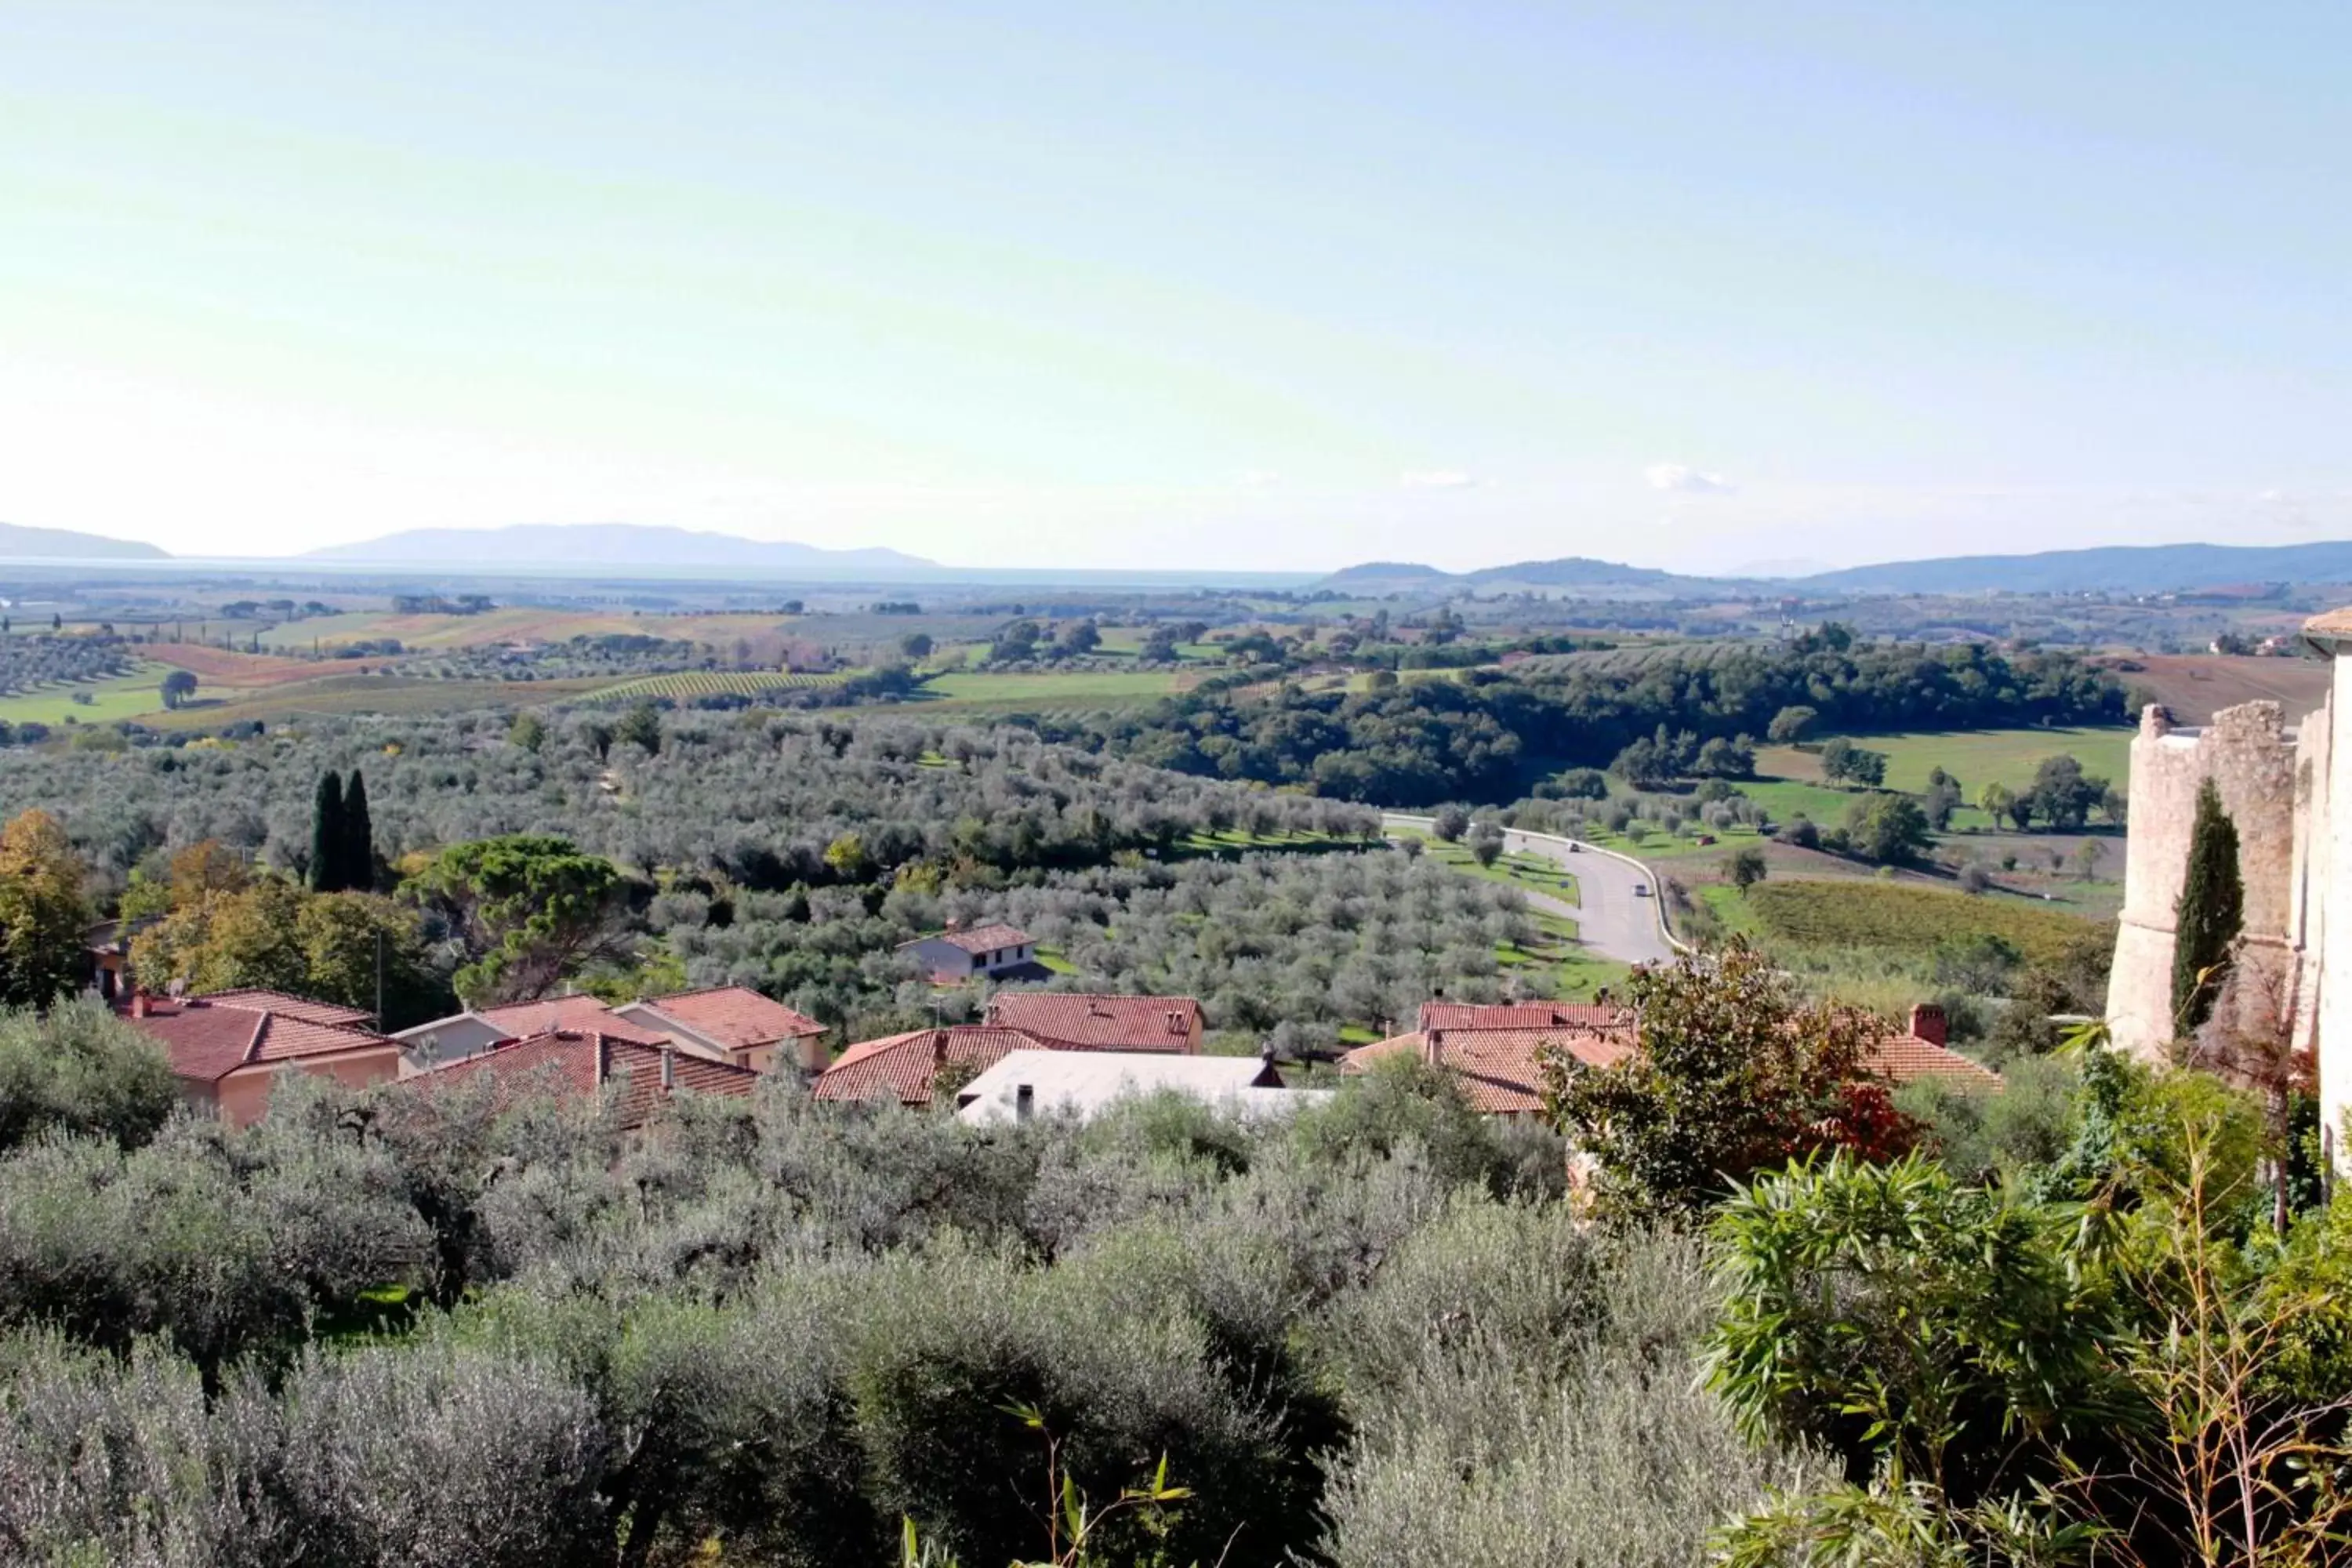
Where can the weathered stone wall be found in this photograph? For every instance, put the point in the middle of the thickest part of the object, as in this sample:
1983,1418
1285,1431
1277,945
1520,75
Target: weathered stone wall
2248,755
2331,886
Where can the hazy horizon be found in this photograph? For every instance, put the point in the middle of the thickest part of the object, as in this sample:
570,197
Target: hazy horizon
1684,285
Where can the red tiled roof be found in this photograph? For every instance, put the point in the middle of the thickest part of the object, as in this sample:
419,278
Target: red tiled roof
520,1019
1498,1066
1523,1015
736,1016
980,938
207,1039
582,1061
1906,1058
900,1065
301,1008
1072,1020
1498,1069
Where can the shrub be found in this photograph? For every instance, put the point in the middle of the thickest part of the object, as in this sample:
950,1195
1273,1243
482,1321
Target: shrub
78,1069
442,1456
1897,1315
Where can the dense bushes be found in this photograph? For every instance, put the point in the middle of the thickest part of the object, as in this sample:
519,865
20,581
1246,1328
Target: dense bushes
781,1327
79,1071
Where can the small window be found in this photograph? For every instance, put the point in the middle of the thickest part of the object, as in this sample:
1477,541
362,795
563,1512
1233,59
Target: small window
1024,1102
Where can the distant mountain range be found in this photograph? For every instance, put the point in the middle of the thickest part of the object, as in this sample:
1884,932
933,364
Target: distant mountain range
598,545
2114,569
64,544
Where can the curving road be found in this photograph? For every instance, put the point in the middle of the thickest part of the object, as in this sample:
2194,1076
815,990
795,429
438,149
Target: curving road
1611,919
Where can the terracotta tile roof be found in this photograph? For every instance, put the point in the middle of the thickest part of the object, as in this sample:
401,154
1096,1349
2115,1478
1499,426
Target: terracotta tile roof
901,1066
207,1039
1497,1065
567,1061
1073,1020
2335,623
521,1019
301,1008
736,1016
1906,1058
1498,1069
1524,1014
980,938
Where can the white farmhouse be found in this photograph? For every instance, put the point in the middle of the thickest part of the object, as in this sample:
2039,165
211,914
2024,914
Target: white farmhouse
1024,1084
991,949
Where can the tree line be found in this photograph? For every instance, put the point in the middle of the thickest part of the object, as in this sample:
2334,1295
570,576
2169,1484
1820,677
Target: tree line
1478,736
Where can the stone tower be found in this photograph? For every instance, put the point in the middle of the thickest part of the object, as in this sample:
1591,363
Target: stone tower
2259,767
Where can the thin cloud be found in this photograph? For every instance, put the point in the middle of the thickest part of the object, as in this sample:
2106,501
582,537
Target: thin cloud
1438,479
1683,479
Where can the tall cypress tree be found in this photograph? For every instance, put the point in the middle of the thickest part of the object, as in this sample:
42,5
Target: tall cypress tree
327,834
2210,913
359,835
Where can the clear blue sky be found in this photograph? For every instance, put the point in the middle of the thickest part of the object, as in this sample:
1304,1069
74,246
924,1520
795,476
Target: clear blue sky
1291,285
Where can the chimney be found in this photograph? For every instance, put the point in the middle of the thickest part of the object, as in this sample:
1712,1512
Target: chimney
953,925
670,1070
1432,1049
1927,1022
139,1001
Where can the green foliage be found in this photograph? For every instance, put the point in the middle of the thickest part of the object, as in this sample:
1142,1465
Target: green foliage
2209,914
1732,1075
1914,1325
1887,828
327,834
1843,761
354,839
1424,742
42,912
2063,795
531,911
640,726
2005,1136
1743,868
78,1069
176,687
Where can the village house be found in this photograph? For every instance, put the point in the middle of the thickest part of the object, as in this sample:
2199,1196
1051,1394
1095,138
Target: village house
994,951
1068,1020
228,1050
581,1063
1496,1051
732,1024
901,1067
1028,1083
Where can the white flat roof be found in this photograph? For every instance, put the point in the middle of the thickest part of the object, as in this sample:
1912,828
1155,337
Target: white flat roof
1085,1082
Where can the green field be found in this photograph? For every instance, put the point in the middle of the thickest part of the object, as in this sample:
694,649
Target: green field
1081,687
1787,797
1892,918
130,696
706,682
1975,758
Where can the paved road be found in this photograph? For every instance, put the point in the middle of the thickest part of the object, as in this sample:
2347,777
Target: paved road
1611,919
